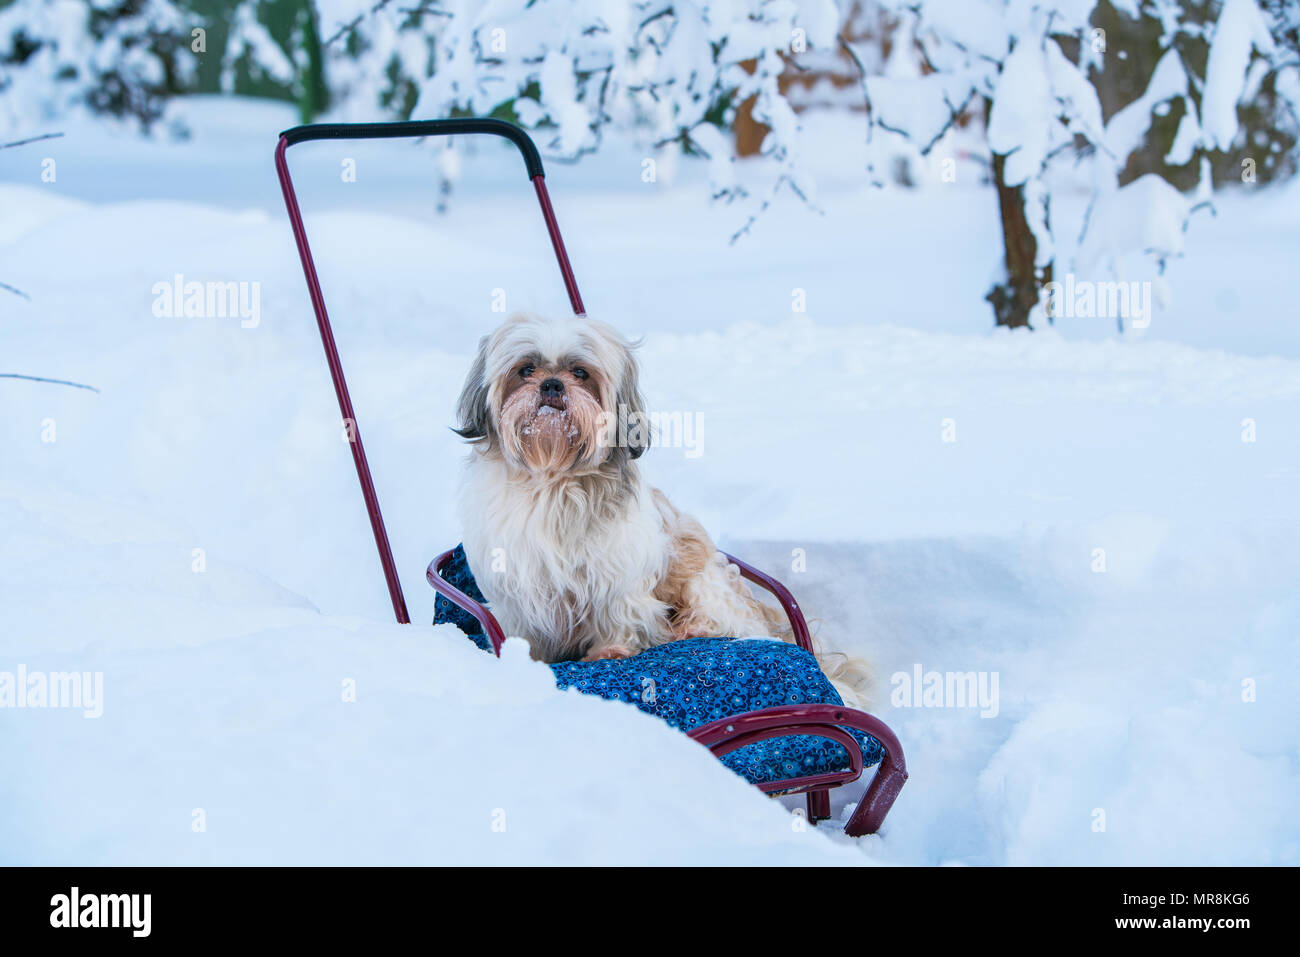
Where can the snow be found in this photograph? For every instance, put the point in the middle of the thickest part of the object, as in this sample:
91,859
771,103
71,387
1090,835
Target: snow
1044,116
224,694
923,105
249,36
1123,690
1128,128
1146,216
1077,96
1239,30
1185,140
58,60
974,29
575,70
1020,122
31,96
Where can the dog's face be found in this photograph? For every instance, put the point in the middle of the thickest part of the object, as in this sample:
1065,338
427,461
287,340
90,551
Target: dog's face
543,394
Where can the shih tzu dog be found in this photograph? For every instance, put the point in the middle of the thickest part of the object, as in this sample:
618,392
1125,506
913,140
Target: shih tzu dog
575,552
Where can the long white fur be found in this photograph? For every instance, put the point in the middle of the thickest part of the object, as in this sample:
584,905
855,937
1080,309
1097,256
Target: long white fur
568,559
561,570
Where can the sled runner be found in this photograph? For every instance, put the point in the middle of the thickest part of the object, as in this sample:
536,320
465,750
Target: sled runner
763,707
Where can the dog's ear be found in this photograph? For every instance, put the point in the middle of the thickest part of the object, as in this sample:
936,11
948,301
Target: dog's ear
472,407
629,402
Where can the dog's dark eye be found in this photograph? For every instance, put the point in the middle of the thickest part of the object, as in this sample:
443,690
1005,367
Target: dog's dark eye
580,373
526,371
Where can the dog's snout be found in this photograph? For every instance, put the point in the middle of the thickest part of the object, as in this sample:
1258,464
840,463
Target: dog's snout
552,386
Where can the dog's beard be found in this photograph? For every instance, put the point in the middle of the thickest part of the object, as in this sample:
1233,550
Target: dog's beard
546,439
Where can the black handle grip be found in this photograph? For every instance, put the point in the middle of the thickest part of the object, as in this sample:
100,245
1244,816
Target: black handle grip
379,131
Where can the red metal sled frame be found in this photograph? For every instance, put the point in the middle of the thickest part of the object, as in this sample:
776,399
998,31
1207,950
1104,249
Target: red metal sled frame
722,736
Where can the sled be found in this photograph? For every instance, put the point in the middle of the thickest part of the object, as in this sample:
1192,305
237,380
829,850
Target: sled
809,743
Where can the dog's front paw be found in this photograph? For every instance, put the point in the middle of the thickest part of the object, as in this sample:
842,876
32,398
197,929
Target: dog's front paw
606,652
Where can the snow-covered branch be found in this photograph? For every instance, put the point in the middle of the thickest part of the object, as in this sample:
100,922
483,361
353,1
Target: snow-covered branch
661,73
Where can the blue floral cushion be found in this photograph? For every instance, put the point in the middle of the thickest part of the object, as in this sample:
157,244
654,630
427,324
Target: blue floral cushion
692,682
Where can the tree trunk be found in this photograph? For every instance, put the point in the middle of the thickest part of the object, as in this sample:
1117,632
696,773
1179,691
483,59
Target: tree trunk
1018,293
748,132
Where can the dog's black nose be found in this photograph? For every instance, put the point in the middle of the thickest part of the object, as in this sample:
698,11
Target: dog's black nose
552,387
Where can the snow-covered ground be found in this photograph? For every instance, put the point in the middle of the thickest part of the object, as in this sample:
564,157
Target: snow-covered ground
937,494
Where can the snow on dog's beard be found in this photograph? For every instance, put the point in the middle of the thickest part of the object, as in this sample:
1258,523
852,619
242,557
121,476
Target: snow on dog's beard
546,438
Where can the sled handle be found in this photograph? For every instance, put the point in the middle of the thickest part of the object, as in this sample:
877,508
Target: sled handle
469,126
370,131
458,127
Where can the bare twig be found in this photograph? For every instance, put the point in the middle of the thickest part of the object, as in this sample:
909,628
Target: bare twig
36,378
665,12
866,102
30,139
356,21
787,180
17,292
862,77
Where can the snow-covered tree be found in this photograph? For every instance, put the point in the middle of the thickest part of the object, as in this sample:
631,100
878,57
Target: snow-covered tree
268,48
668,73
127,57
1147,104
122,57
1032,69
